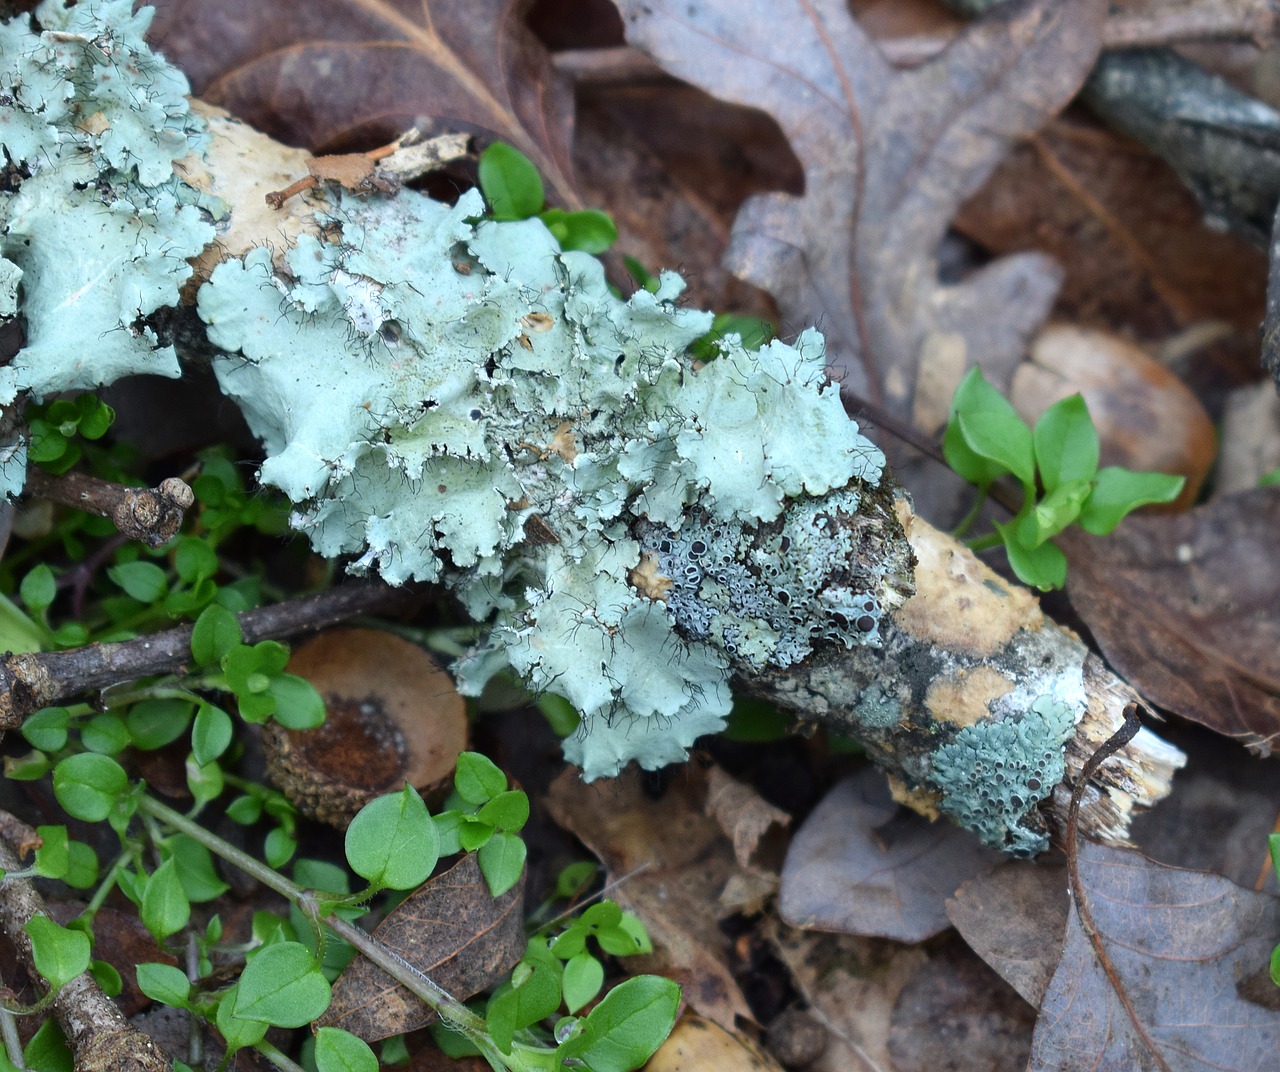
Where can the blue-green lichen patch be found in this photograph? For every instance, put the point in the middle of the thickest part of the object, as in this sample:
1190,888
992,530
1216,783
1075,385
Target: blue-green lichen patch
447,398
993,774
766,593
91,123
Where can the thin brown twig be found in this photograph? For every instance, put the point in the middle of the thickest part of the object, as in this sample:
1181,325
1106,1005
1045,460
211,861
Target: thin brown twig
30,681
151,515
1127,731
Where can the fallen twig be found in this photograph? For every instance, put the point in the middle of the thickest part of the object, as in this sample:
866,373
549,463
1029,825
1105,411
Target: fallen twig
151,515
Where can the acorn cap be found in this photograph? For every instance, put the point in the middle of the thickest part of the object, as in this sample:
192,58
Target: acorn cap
392,716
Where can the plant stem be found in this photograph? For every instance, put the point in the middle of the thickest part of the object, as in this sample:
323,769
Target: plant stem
420,985
967,521
983,543
277,1058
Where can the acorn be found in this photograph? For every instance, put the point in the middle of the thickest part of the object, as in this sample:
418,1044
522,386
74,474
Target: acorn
392,716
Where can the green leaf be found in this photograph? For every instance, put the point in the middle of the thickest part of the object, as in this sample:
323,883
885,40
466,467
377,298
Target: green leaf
1117,491
298,705
205,780
53,858
279,846
1043,567
510,183
448,827
144,581
60,953
477,778
245,810
583,977
82,866
282,985
627,1027
507,811
985,437
752,330
105,733
200,879
47,729
1053,513
237,1031
164,983
575,878
194,559
501,860
515,1007
105,975
472,833
96,417
153,724
1066,443
88,785
211,734
392,841
588,230
48,1051
39,588
165,909
215,633
340,1051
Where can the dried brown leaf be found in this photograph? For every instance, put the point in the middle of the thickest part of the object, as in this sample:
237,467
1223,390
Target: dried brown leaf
1185,945
1187,609
329,73
674,865
1014,918
452,931
860,864
888,158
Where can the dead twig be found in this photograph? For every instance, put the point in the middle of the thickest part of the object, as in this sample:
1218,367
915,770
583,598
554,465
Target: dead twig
1127,731
151,515
31,681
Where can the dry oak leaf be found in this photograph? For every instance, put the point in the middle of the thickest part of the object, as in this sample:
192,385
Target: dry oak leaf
453,931
860,864
1187,609
336,74
888,158
1187,947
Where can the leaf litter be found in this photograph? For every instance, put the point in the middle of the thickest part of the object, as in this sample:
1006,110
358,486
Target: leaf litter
889,158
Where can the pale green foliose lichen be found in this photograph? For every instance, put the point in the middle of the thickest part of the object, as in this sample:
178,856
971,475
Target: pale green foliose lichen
451,399
993,774
94,223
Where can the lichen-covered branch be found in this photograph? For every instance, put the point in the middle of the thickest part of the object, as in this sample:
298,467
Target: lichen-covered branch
151,515
451,399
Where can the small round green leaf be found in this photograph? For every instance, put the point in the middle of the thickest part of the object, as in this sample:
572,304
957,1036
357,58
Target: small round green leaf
340,1051
211,734
53,858
510,182
165,909
155,723
82,866
282,986
581,982
88,785
501,860
1043,567
164,983
215,633
392,841
200,879
237,1031
47,728
105,733
38,589
1066,443
507,811
588,230
298,705
60,953
477,778
194,559
144,581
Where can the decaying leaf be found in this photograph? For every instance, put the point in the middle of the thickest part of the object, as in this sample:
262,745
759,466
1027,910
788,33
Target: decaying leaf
1184,944
1187,609
1014,918
674,868
330,73
860,864
888,157
698,1045
453,931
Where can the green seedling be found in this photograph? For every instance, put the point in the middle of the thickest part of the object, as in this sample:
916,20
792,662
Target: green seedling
1057,465
513,188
